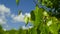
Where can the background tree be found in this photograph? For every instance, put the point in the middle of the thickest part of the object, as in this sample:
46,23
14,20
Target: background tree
1,30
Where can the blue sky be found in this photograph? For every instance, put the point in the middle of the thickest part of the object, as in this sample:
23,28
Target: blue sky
25,5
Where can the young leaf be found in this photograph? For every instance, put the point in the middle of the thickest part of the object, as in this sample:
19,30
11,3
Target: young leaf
26,19
17,2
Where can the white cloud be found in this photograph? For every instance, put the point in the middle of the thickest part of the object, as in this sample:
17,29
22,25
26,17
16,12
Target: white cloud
2,21
25,27
16,18
19,18
3,10
28,14
30,26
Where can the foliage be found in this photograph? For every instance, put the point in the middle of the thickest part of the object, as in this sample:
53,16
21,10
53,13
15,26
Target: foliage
54,5
1,30
44,22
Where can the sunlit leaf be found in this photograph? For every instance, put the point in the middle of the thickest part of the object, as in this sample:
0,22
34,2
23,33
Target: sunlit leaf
26,19
49,23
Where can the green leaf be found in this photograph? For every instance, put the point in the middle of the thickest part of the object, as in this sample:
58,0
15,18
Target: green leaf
17,2
19,12
26,19
33,31
21,31
32,16
54,26
38,15
44,29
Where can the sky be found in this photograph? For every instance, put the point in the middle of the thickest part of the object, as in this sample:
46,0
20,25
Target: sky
9,17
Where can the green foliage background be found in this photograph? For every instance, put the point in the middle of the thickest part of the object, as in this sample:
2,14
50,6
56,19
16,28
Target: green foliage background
45,22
